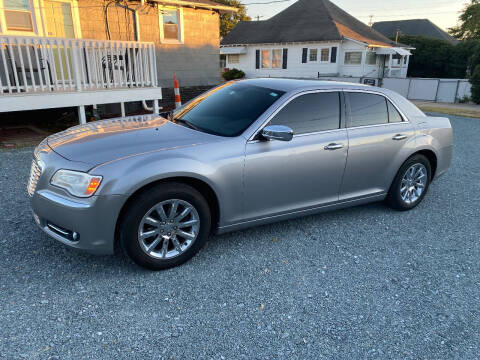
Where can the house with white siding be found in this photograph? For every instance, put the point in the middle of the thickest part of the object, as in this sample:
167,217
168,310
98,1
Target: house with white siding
313,39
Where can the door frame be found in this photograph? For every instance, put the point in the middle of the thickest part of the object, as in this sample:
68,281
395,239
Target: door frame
263,123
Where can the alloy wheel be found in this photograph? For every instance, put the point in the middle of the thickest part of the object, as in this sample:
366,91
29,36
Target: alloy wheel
168,229
413,183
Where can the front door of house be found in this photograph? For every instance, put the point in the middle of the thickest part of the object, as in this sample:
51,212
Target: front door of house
59,19
59,24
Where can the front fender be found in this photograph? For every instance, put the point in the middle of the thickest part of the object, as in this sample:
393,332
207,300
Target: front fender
220,170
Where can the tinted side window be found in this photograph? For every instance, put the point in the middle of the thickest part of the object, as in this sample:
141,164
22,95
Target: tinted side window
367,109
310,113
393,114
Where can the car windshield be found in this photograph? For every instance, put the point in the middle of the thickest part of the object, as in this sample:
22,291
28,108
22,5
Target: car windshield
227,110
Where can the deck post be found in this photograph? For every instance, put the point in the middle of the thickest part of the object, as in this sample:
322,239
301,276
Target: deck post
122,109
156,108
81,115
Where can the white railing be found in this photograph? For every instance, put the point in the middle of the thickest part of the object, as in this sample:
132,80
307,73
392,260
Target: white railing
41,64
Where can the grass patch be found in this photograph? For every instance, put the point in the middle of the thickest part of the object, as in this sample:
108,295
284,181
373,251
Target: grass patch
450,111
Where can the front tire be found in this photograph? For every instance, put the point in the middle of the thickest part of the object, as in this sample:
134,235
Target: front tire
410,184
165,226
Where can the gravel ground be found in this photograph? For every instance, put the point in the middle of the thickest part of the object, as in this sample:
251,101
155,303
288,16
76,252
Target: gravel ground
365,282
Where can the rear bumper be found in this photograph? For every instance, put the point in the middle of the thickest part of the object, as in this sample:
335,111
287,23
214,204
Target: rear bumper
86,224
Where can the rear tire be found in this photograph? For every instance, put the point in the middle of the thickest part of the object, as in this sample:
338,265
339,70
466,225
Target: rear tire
410,184
165,226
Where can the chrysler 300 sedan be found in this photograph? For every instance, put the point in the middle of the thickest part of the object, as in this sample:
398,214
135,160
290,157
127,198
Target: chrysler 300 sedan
243,154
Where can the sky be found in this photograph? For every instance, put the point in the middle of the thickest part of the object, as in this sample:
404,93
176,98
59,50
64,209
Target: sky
444,13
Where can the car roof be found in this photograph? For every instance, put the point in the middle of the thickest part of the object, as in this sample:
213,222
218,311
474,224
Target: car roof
299,85
288,85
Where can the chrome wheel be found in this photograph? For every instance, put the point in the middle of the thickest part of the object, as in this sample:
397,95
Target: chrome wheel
413,183
168,229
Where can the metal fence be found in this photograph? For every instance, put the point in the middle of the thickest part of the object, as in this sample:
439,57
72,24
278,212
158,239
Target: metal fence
42,64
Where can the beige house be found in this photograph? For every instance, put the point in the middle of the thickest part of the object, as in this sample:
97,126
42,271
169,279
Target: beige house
63,47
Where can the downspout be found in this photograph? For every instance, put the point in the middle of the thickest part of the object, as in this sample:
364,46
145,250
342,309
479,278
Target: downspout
134,12
137,37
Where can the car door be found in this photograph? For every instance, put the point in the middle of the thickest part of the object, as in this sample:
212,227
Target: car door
379,140
284,176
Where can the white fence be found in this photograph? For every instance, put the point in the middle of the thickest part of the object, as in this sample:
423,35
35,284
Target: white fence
36,64
439,90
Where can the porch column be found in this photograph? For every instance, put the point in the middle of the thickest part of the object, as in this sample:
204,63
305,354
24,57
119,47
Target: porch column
82,119
390,65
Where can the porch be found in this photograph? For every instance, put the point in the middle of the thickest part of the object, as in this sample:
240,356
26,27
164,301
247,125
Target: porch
45,72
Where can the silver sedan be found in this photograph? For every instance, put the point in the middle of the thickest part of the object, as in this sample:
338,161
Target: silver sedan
243,154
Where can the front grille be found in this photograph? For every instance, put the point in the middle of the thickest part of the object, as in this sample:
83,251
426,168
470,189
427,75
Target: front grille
35,172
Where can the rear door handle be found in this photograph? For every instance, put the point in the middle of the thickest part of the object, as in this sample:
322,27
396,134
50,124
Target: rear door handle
399,137
333,146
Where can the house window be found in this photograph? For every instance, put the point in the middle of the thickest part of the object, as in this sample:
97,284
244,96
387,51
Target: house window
276,58
371,58
266,63
353,58
171,25
233,58
18,15
405,58
325,55
396,60
313,54
271,59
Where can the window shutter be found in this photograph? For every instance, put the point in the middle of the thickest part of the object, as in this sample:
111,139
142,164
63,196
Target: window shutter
304,55
257,59
285,57
333,56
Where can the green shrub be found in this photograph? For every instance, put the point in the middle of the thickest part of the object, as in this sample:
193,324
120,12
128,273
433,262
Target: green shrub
233,74
475,81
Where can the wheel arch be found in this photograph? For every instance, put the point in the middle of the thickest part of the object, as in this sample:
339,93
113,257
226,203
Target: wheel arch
204,188
432,158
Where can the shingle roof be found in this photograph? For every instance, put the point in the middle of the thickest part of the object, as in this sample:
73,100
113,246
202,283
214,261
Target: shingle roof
423,27
304,21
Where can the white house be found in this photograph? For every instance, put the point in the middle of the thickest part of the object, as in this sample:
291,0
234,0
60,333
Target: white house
313,39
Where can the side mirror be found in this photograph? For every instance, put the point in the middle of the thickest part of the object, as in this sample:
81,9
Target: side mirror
277,132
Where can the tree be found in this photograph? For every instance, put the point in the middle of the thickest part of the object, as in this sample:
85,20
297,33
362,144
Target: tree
229,20
475,81
435,58
469,26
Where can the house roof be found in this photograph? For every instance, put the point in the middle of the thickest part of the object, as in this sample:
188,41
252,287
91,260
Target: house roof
204,4
423,27
305,21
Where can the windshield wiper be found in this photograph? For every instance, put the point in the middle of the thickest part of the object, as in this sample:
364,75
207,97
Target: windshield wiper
188,124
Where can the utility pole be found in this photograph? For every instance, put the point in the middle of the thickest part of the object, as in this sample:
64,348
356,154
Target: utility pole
258,17
370,23
396,36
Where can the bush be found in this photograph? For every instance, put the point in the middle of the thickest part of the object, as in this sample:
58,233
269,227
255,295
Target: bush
475,81
233,74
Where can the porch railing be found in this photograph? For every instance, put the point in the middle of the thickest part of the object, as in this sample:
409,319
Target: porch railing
42,64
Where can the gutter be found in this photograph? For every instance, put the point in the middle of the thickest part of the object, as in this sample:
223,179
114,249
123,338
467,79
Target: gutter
186,3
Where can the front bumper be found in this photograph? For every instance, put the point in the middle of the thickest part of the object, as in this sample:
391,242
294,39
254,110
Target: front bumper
86,224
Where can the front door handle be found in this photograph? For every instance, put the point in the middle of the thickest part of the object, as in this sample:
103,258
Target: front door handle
399,137
333,146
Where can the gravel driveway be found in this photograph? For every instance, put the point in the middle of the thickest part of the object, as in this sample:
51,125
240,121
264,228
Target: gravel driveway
365,282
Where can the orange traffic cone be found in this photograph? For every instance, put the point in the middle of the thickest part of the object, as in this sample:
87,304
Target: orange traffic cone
176,90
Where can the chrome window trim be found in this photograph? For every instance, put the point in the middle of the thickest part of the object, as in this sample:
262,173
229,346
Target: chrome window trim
404,118
294,96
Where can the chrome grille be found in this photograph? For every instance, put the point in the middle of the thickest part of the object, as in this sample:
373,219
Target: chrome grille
35,172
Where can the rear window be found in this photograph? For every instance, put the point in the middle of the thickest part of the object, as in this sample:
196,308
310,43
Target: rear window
228,110
367,109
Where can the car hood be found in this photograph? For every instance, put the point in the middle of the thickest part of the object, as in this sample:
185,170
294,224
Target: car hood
107,140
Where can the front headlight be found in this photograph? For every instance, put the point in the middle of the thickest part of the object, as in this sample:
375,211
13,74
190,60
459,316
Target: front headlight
76,183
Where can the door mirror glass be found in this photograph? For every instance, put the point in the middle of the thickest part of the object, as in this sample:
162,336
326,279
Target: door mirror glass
277,132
